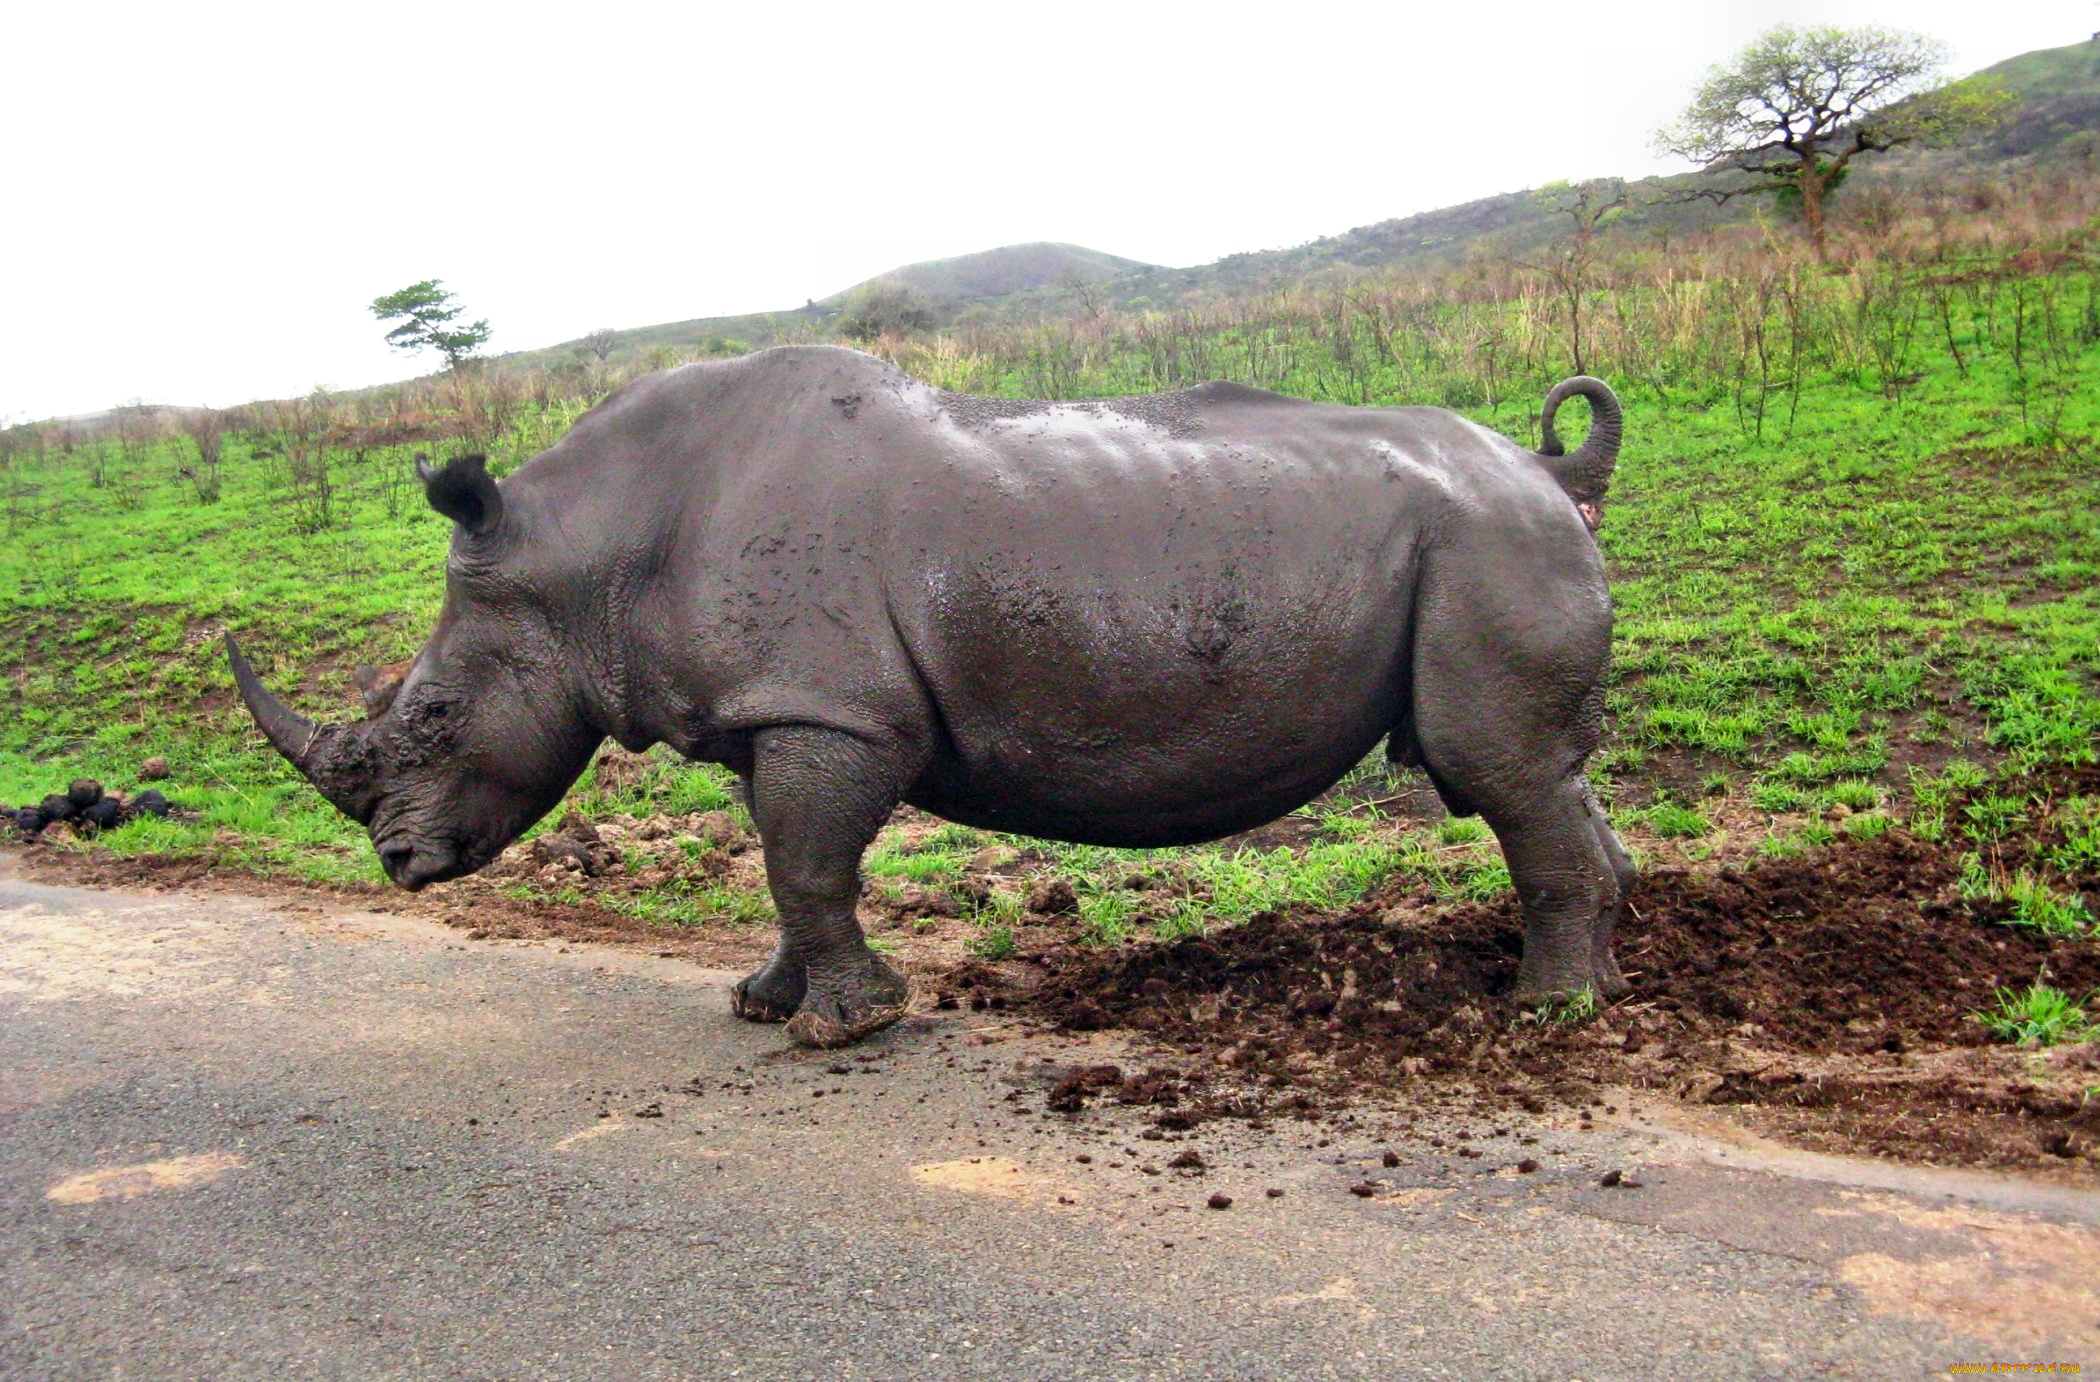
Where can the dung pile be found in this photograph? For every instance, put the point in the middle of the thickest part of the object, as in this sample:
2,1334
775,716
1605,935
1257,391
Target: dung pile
86,807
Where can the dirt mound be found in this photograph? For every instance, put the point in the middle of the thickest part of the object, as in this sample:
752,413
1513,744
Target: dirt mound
1855,949
1830,995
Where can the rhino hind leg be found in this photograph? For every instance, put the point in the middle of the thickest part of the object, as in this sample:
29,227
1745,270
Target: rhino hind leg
1569,890
1609,980
819,797
1508,698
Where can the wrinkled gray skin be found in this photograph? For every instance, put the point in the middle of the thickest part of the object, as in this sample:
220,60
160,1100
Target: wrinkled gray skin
1148,621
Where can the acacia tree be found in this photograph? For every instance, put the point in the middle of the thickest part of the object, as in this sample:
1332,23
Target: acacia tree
426,313
1790,112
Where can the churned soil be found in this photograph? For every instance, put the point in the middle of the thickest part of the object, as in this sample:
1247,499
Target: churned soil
1827,998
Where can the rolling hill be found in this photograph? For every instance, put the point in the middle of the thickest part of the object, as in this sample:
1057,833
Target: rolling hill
2057,118
1001,272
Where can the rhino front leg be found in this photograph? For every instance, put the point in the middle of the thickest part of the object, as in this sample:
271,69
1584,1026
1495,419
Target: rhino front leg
818,798
772,992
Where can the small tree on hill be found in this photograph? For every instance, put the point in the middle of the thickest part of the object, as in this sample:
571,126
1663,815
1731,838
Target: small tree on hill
427,313
600,343
885,309
1790,112
1571,265
207,432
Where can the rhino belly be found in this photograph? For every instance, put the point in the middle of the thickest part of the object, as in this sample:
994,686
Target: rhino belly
1114,734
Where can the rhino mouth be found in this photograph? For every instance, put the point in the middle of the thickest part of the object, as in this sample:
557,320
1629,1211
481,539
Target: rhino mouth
414,865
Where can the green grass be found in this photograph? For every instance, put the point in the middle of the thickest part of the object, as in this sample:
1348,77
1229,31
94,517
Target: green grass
1873,585
1871,826
685,902
2037,904
1573,1010
997,943
2079,851
2037,1016
1673,821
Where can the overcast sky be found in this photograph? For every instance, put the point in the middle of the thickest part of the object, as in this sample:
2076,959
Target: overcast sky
201,199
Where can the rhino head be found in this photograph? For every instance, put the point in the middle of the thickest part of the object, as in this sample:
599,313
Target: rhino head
483,731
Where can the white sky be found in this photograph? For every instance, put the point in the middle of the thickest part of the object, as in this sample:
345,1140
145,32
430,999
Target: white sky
200,199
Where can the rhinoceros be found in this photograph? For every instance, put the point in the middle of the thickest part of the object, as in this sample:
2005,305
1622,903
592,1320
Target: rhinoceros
1154,620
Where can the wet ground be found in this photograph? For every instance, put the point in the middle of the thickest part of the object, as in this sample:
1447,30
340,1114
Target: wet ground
247,1136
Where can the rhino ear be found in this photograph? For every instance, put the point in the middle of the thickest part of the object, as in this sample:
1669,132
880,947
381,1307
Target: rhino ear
463,491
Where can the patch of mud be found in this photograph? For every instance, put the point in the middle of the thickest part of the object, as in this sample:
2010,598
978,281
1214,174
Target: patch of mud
2021,1284
995,1176
1826,999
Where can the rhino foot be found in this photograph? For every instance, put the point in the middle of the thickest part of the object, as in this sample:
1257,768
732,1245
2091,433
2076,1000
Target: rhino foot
772,993
1537,985
839,1016
1611,984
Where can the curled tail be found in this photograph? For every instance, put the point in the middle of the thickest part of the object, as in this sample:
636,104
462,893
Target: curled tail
1586,475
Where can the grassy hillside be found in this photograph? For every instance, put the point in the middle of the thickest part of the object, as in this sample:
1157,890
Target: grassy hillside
2047,73
1854,542
2055,122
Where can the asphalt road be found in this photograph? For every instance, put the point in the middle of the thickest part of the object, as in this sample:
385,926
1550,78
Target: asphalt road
251,1138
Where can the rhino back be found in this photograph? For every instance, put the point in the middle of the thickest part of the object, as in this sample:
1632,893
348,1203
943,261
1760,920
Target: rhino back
1147,621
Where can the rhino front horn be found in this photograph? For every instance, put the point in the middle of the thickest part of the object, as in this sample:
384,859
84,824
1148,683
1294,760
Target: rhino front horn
336,760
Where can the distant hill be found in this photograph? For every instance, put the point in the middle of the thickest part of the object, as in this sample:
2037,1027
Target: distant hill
2059,111
2049,73
2057,117
949,284
1000,272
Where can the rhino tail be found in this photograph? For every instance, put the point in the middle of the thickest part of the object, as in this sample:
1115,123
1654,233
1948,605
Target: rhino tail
1585,474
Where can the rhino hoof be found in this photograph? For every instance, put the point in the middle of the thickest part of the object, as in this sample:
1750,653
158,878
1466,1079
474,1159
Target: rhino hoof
827,1020
773,991
1610,982
814,1027
749,1001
